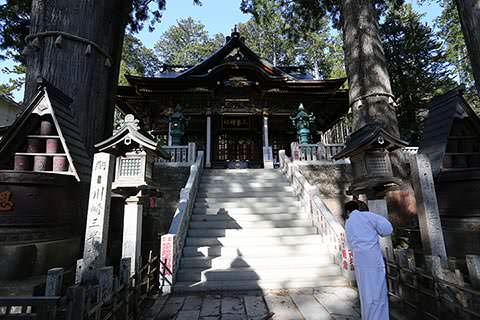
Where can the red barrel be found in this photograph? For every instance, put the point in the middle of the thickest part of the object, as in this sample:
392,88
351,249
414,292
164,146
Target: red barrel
52,145
46,127
35,145
23,163
60,163
42,163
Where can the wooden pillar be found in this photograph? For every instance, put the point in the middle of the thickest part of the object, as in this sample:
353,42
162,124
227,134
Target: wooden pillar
53,286
208,162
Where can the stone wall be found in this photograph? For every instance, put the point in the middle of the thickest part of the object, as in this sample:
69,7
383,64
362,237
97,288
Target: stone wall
156,221
332,180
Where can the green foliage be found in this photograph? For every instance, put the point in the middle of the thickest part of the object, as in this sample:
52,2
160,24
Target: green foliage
15,21
416,64
137,59
450,32
187,43
269,34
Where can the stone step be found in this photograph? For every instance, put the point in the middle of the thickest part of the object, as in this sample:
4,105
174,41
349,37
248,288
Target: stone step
234,188
234,210
271,262
249,217
240,178
232,285
234,224
255,251
259,203
204,185
208,171
263,240
276,174
245,274
258,232
249,194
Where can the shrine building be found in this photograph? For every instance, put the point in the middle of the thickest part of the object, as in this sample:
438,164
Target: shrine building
235,104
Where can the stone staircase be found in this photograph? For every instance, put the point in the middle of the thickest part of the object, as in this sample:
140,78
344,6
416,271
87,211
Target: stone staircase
248,232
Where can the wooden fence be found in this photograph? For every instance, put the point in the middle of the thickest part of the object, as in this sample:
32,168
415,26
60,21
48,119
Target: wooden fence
432,292
114,297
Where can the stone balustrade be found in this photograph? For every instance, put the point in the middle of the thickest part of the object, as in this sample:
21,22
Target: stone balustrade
332,232
315,152
180,155
172,243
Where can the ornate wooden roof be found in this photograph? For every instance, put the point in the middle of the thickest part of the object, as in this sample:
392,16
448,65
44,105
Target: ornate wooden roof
235,79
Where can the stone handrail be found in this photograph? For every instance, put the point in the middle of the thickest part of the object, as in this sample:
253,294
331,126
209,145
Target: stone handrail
172,242
314,152
332,232
410,150
332,149
180,154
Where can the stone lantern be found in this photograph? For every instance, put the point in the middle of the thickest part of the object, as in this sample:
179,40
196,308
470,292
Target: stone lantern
302,121
135,153
178,124
368,150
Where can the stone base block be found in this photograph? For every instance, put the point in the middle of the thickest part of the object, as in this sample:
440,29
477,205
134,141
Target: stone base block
23,260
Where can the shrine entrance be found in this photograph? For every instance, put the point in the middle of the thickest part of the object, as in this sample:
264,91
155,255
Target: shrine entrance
237,138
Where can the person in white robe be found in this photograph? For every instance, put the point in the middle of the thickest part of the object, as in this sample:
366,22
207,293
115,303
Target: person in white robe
362,230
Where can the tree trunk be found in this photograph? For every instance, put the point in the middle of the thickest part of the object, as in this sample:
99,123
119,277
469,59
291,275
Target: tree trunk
371,95
469,12
79,70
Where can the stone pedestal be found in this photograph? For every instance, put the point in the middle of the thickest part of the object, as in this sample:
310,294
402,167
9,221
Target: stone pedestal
267,158
96,234
427,207
379,207
132,232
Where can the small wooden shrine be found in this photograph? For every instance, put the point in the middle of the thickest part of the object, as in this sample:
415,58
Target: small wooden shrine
44,170
237,104
451,140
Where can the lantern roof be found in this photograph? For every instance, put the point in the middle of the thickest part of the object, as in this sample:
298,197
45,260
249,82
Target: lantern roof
368,137
129,137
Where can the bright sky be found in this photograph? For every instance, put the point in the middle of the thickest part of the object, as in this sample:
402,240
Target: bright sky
219,16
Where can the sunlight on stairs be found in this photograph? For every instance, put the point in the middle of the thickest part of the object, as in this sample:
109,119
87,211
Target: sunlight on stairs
248,232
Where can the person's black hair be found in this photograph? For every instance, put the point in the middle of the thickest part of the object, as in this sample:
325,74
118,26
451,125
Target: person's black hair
351,205
362,206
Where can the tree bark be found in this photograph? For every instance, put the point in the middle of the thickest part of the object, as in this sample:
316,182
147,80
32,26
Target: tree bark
66,63
469,12
370,91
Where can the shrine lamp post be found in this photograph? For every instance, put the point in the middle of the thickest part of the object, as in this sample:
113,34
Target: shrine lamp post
178,124
302,121
135,151
368,150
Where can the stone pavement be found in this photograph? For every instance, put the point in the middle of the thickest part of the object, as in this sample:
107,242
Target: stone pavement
297,304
